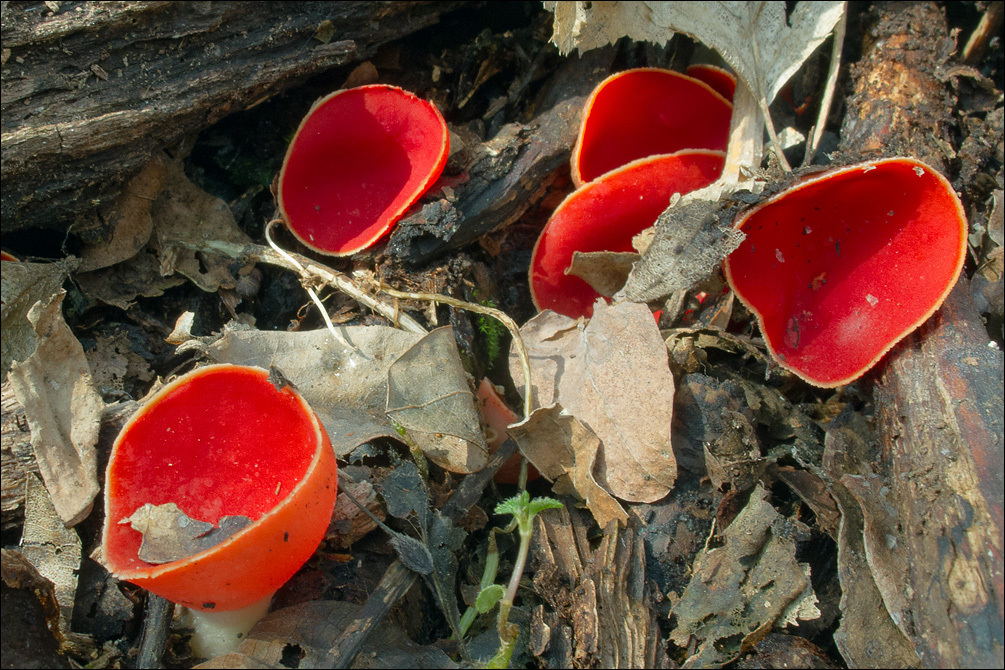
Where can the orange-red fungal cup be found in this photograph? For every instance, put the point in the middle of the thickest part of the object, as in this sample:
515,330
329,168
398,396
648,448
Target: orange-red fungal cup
222,440
841,266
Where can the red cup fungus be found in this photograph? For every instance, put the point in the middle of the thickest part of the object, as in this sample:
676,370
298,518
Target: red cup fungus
722,81
644,112
221,441
841,266
359,159
4,256
604,215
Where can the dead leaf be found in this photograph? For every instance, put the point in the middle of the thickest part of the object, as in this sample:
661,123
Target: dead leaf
605,271
763,44
348,391
562,448
185,216
128,220
63,410
349,524
51,547
122,283
21,286
692,237
743,589
612,374
171,535
300,636
428,395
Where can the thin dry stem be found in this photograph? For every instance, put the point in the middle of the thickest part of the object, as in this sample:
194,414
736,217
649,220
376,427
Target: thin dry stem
829,88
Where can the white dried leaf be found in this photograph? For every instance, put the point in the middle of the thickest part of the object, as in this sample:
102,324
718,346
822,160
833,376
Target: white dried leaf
756,39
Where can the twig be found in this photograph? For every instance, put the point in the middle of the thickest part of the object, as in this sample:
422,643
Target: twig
321,273
763,103
830,86
310,291
153,639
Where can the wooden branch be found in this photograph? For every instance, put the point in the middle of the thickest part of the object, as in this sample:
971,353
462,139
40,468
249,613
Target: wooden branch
939,398
92,91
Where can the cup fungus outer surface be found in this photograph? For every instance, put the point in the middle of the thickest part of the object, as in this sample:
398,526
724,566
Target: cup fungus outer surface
360,158
605,215
840,267
222,440
645,112
722,81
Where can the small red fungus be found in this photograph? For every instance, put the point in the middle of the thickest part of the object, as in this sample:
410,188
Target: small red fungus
605,215
360,158
644,112
222,441
4,256
840,267
722,81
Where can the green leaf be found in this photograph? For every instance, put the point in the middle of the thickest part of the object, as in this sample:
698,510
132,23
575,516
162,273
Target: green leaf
538,505
515,505
488,597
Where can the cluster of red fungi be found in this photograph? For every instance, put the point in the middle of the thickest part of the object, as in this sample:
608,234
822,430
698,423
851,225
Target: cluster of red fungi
837,269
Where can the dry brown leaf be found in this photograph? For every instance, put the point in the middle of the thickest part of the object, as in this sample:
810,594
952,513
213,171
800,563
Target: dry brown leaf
346,390
171,535
563,449
185,216
429,396
122,283
612,374
128,219
307,631
605,271
51,547
743,589
757,39
21,286
63,410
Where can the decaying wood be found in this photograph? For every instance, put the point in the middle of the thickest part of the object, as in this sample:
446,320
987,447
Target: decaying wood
92,89
18,458
511,172
939,397
596,613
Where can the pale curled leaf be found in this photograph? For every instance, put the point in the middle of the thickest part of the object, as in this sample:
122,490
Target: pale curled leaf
428,395
21,286
63,410
128,220
763,45
563,449
51,547
613,375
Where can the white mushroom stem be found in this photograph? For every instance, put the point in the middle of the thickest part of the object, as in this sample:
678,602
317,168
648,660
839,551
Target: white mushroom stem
218,633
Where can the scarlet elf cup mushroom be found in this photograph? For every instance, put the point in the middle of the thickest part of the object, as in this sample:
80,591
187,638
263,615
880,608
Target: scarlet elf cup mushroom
360,158
644,112
222,441
841,266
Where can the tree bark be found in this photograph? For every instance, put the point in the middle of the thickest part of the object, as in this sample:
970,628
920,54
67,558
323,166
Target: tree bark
939,397
93,89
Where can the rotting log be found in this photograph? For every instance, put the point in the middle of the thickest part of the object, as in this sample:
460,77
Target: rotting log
511,172
91,90
939,397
